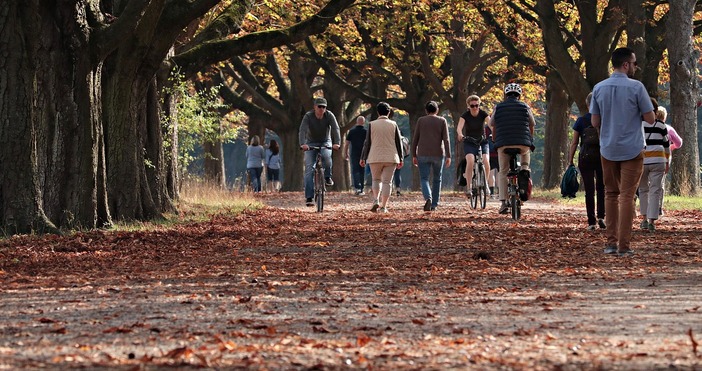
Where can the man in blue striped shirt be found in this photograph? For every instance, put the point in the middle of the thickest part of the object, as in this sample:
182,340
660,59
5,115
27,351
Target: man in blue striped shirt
618,105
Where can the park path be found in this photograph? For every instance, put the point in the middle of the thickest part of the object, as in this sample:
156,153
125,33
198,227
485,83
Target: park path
284,287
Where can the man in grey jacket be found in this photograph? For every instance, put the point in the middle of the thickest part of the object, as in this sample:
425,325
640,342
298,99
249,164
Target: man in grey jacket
319,128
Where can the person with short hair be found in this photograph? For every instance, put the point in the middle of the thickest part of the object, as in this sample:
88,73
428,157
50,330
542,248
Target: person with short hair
382,150
618,105
471,131
656,164
431,152
675,143
318,128
352,152
512,124
590,166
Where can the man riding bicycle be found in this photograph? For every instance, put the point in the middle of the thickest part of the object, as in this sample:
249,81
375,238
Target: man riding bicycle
512,124
471,131
319,128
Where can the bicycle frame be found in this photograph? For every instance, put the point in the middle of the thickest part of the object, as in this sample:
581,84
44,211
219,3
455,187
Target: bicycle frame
479,182
320,187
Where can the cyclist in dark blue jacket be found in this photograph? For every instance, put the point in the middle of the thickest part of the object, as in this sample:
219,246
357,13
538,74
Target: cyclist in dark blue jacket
512,124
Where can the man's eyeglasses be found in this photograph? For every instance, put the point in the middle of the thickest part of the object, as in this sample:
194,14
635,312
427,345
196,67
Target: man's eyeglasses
474,105
322,107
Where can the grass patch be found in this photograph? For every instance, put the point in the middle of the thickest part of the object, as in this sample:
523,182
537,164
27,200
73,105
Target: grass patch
198,202
670,202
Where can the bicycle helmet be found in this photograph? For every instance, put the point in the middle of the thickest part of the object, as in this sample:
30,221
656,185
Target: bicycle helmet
513,88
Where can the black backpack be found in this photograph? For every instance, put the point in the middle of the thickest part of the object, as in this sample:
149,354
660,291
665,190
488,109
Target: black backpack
590,144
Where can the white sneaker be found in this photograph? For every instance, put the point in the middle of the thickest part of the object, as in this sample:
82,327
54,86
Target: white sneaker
591,227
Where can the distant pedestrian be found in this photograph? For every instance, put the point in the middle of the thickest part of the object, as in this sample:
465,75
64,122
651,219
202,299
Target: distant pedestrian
352,153
618,105
656,165
675,143
255,155
431,151
382,150
273,163
590,166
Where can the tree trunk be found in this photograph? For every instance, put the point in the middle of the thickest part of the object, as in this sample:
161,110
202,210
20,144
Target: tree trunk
214,163
556,142
292,159
50,156
682,58
156,160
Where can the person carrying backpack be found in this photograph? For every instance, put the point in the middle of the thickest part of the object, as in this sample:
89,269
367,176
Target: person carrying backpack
590,166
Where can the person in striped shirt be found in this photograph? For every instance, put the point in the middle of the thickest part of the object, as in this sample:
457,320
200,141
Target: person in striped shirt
656,165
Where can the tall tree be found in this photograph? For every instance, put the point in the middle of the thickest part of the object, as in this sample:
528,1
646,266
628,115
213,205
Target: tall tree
80,102
684,93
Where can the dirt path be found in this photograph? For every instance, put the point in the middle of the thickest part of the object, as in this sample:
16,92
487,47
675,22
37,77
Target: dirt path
287,288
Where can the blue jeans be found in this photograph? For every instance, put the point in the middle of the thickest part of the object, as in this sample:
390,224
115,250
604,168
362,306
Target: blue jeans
255,176
428,164
310,159
358,173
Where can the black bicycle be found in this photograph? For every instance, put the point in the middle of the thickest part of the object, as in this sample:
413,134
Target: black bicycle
320,186
479,182
515,202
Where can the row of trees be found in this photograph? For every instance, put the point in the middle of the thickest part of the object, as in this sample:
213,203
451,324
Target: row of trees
407,52
82,88
82,141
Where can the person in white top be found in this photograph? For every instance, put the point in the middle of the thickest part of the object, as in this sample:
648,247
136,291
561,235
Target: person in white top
656,164
383,152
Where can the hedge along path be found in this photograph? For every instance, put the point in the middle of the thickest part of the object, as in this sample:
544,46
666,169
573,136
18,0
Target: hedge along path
285,287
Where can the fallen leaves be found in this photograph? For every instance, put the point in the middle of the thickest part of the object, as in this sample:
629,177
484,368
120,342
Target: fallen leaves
453,289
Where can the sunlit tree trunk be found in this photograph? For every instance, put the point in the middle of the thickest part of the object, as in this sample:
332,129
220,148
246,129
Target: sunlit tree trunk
684,93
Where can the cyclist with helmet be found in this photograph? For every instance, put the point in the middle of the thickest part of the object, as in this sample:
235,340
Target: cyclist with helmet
512,124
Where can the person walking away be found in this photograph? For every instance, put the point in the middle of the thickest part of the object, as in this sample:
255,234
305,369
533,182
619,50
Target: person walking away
318,128
382,150
512,124
590,166
471,131
618,105
656,164
431,151
352,153
273,166
255,155
675,143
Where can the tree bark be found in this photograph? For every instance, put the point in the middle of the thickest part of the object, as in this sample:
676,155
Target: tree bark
556,132
684,93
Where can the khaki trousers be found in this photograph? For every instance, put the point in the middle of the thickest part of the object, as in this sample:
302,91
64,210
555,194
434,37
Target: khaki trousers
621,180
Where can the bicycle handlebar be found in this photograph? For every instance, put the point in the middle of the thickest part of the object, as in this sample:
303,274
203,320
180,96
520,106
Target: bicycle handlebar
310,148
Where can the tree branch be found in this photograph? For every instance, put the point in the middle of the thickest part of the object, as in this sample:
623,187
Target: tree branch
216,51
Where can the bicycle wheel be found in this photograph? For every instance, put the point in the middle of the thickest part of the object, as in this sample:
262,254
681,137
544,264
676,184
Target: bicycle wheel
482,186
474,192
319,190
514,205
320,201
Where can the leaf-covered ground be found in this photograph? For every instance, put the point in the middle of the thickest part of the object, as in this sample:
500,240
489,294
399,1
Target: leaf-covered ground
286,288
